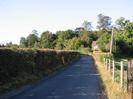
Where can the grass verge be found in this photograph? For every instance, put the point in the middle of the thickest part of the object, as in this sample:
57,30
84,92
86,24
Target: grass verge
112,89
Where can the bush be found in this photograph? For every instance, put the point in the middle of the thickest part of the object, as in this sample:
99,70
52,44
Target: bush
14,63
124,42
108,56
103,42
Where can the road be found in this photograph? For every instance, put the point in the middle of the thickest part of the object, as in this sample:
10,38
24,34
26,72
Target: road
78,81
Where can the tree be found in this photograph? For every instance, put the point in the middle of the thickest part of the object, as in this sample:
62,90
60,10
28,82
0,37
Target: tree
120,23
73,44
23,42
2,45
31,40
124,41
93,35
104,23
47,40
87,26
103,42
63,37
37,45
34,32
11,45
86,38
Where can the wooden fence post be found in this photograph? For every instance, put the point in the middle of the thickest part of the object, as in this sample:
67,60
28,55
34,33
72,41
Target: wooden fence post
105,62
113,70
122,74
130,77
109,65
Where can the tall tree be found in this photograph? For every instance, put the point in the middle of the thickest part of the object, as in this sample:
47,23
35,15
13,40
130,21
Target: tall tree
73,44
32,39
23,42
124,41
34,32
104,23
120,23
63,37
47,40
103,42
87,26
86,39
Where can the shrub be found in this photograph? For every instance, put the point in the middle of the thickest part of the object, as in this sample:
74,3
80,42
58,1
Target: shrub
14,63
103,42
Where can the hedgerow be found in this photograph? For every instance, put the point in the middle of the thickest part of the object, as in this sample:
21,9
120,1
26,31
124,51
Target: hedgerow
14,63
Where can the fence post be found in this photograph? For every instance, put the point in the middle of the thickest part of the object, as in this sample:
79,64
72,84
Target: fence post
104,61
122,74
109,65
113,70
130,77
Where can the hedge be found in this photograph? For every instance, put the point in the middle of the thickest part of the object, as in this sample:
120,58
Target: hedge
14,63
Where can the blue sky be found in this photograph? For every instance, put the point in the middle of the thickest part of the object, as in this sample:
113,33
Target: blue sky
19,17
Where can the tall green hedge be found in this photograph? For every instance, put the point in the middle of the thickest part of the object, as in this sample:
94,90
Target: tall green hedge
17,62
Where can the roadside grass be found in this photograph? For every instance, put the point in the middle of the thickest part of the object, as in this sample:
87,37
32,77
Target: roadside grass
85,51
112,89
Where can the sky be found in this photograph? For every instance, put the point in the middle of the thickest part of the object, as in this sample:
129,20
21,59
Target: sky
19,17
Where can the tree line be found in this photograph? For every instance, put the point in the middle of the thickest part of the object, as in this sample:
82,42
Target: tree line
83,37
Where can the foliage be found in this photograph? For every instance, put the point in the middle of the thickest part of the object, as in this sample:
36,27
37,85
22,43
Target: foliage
9,45
63,37
86,39
104,22
120,23
86,50
23,42
73,44
31,40
15,63
105,55
87,26
84,36
47,40
124,41
103,42
93,35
